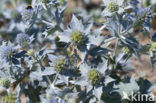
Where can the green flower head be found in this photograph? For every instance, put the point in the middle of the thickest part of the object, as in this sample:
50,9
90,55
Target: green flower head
112,7
77,37
23,40
5,82
94,76
60,65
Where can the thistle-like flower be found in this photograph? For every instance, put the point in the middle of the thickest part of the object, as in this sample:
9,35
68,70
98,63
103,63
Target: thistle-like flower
60,65
144,17
145,14
23,40
28,14
91,78
7,52
76,33
5,82
112,6
77,37
94,76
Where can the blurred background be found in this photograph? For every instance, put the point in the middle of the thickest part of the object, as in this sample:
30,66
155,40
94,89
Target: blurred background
10,25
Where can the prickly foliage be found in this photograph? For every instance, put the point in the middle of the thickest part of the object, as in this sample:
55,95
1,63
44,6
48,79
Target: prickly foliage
53,60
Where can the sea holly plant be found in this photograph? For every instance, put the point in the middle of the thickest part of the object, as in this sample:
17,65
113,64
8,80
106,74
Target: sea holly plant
50,56
24,40
76,33
112,7
93,81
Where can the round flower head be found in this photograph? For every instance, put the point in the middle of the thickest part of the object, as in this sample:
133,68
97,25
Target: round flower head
144,17
113,6
145,14
76,32
77,37
28,14
5,82
7,53
94,76
23,40
60,65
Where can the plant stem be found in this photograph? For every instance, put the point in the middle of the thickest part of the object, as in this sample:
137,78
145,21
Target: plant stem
110,39
116,45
